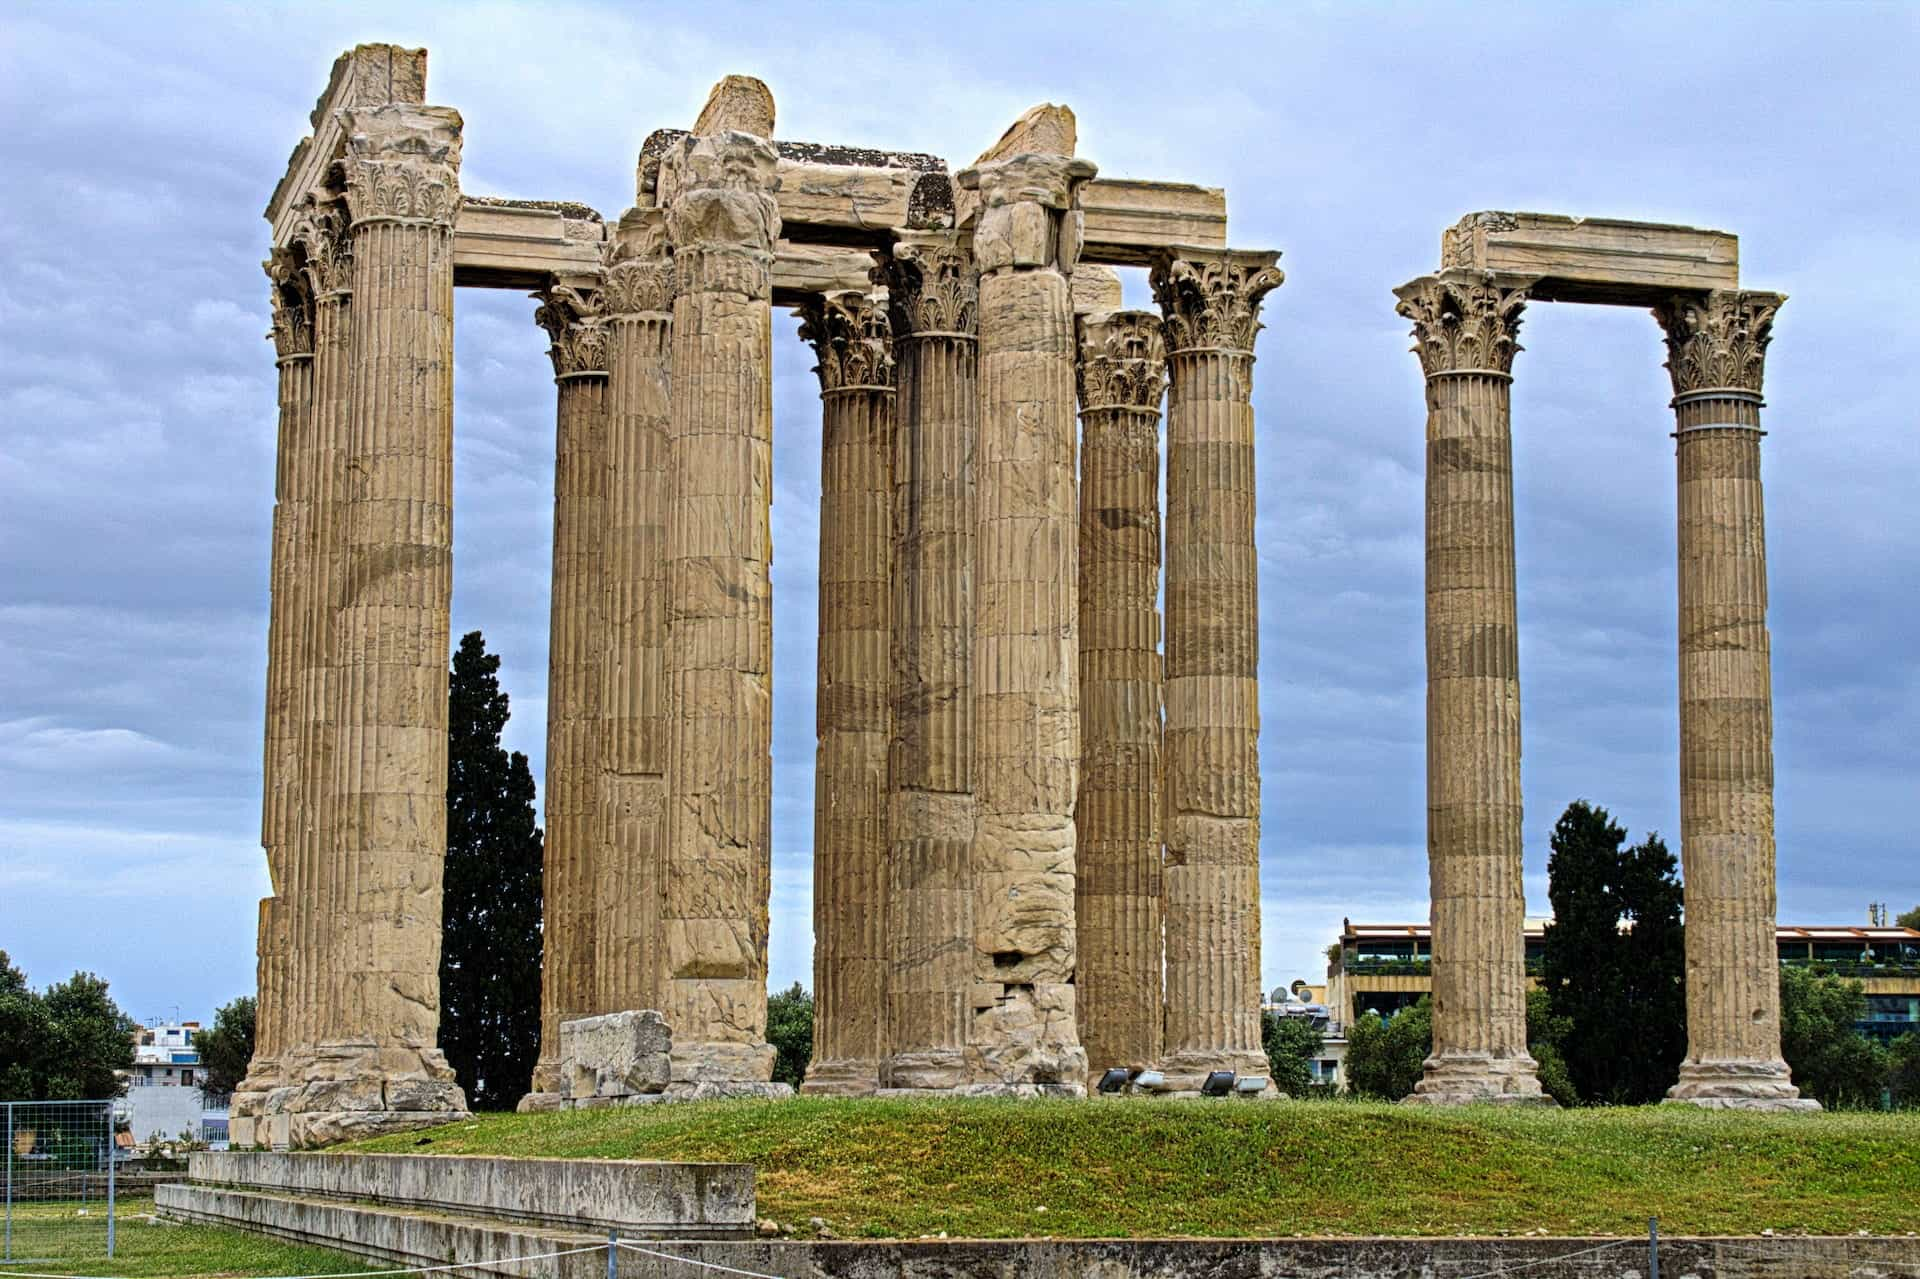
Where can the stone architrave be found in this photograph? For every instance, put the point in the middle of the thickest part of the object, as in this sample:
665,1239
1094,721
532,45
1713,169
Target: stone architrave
722,224
933,297
1118,981
571,312
1716,344
637,298
1464,329
380,1067
1210,302
1026,681
850,335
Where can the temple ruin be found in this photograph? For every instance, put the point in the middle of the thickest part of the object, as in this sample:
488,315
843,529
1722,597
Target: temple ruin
1465,323
1037,814
1036,839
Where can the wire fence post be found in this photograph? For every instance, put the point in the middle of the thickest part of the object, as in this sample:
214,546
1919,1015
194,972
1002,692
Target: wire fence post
613,1254
1653,1248
9,1255
113,1150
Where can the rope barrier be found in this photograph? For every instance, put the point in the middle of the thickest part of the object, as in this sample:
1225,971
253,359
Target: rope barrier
694,1261
1548,1261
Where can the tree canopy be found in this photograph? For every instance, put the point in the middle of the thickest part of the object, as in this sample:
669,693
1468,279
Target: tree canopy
790,1031
1292,1044
491,900
63,1044
226,1048
1832,1062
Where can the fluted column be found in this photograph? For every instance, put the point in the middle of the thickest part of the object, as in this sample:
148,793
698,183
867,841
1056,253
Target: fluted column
1716,346
570,312
933,296
722,223
391,632
1210,302
1026,683
290,571
1122,376
1464,328
850,335
637,298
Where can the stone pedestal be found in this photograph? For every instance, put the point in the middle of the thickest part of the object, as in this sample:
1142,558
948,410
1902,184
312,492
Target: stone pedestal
377,1065
1464,327
850,335
1122,376
1210,302
722,223
1026,621
570,312
637,298
933,296
1716,354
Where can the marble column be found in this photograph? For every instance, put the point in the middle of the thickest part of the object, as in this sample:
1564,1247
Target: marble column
850,336
290,572
1716,345
1464,328
570,312
1210,301
1119,982
383,1068
1026,682
722,223
933,297
637,297
307,917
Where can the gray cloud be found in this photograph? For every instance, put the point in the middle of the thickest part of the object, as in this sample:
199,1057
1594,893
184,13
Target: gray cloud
136,401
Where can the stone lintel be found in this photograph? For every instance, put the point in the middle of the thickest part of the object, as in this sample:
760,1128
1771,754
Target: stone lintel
367,75
1604,260
1129,222
521,244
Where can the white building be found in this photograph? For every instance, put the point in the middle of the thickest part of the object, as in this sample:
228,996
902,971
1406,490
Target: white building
163,1088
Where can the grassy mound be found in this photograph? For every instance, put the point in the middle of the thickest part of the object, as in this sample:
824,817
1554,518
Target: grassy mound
986,1168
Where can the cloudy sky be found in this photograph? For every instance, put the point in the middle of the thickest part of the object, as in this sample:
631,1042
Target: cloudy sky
137,402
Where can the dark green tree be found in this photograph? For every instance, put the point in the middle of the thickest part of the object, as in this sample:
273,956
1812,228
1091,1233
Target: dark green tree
491,903
1832,1062
1614,963
1385,1054
90,1040
1908,918
1546,1042
790,1031
24,1033
225,1048
1292,1044
1903,1081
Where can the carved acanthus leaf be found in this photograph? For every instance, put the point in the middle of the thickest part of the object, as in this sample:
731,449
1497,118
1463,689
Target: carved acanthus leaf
933,287
852,338
639,273
1123,360
1463,321
1718,341
402,163
325,249
572,314
1212,299
292,332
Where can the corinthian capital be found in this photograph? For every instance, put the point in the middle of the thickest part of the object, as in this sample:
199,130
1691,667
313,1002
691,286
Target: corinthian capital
292,305
1123,360
1211,298
402,163
1718,341
1464,321
851,337
571,312
324,249
1029,210
932,285
639,272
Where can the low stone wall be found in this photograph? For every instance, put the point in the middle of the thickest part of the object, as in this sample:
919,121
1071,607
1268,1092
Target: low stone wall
686,1200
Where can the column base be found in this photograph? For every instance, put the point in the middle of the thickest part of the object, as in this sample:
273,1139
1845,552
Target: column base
1479,1079
933,1071
847,1077
1186,1070
1025,1035
1733,1084
342,1091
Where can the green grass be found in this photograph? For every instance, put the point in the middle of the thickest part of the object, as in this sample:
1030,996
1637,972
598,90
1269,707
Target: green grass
59,1239
990,1168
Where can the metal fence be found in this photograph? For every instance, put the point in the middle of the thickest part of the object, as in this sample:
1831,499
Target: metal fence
60,1168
